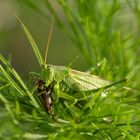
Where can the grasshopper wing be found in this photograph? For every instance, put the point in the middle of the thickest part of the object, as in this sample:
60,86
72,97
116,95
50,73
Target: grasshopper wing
82,81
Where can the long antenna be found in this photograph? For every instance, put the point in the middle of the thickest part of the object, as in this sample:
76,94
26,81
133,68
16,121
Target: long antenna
49,40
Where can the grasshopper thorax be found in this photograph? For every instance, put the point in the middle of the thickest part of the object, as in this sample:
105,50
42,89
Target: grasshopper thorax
54,73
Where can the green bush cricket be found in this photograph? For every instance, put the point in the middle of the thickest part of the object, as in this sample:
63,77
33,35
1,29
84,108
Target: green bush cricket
61,81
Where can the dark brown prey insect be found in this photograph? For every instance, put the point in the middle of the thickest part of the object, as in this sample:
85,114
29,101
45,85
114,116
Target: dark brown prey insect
45,94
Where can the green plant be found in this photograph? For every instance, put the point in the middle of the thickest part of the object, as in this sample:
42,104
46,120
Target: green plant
111,51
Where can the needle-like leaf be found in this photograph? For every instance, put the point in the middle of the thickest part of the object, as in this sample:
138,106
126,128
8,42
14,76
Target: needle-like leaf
32,42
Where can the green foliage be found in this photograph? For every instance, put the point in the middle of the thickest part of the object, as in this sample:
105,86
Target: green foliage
110,46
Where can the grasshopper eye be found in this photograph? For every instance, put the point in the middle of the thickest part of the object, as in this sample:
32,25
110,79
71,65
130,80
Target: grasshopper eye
49,68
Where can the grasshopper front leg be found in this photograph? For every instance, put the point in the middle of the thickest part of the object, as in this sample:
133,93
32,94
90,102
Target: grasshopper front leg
63,95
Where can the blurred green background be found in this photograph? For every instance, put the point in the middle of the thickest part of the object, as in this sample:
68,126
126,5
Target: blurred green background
13,42
104,34
96,30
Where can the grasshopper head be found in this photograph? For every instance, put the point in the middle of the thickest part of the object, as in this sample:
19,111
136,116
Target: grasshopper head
48,74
